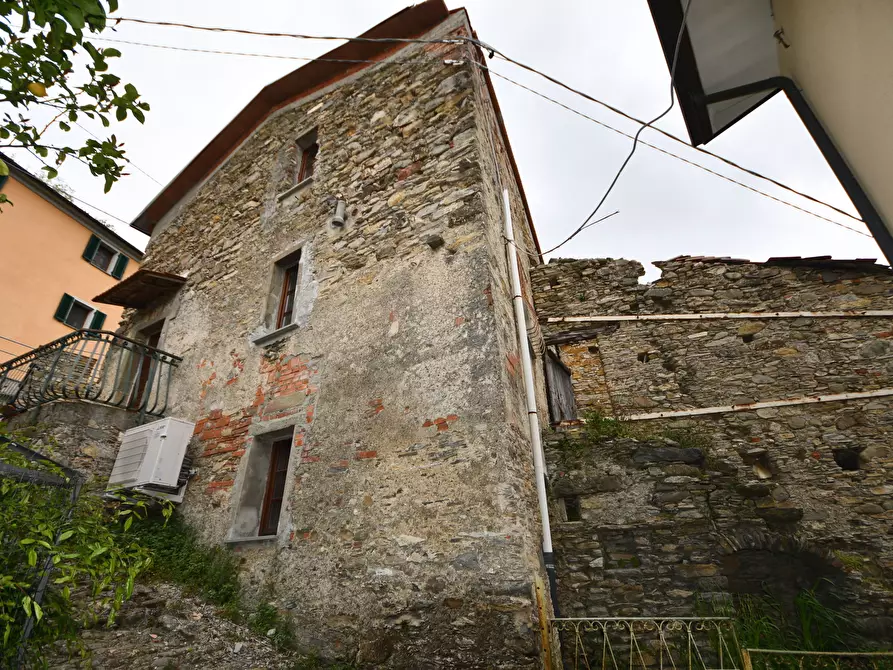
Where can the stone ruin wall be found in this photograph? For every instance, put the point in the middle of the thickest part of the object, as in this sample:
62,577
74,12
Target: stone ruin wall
796,493
410,527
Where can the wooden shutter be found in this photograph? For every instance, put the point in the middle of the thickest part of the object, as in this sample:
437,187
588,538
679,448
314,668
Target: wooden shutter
120,266
64,307
92,246
98,320
560,387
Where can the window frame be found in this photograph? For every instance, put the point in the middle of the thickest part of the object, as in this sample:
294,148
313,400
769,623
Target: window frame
307,152
273,501
118,260
290,280
259,504
90,320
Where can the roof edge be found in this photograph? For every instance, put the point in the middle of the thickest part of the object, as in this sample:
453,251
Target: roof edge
60,202
410,22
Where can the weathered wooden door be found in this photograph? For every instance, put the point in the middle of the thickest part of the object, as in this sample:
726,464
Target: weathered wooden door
562,406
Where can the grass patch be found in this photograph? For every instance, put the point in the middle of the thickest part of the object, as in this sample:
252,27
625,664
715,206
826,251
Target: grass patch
180,558
806,624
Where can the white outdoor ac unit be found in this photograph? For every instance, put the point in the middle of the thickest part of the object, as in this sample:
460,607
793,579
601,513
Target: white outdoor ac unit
150,459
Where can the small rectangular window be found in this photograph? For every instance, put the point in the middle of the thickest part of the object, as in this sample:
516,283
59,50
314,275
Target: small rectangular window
287,297
78,315
307,148
308,159
104,257
275,490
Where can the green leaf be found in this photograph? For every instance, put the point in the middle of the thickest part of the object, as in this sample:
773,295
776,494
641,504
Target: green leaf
38,611
26,603
128,523
64,536
99,552
32,557
121,113
111,53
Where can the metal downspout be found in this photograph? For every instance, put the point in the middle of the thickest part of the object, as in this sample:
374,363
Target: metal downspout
539,467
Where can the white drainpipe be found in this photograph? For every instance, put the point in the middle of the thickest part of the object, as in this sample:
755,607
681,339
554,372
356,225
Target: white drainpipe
539,467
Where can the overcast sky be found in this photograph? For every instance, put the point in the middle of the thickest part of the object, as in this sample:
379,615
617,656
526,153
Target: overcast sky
607,48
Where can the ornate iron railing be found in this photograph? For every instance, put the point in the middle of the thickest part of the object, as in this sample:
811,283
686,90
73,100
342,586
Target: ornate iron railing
643,643
95,365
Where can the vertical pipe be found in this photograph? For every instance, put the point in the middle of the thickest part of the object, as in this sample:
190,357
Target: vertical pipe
539,467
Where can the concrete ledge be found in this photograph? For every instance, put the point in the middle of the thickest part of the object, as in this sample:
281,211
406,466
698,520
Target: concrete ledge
243,540
273,336
294,189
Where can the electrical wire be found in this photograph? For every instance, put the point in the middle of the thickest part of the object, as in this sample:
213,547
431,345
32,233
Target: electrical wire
96,137
101,211
679,140
260,33
670,153
231,53
493,53
641,129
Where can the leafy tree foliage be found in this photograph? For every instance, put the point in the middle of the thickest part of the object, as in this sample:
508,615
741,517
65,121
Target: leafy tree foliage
48,63
84,546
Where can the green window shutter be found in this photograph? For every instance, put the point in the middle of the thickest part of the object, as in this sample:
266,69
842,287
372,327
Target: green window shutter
120,266
98,320
63,308
92,246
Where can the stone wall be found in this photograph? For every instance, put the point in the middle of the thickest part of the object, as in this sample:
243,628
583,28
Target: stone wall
81,435
802,491
410,528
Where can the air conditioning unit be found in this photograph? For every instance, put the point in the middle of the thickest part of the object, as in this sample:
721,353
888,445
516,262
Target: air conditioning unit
152,459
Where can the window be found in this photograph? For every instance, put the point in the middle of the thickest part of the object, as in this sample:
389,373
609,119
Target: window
77,315
307,150
263,487
104,257
275,492
287,297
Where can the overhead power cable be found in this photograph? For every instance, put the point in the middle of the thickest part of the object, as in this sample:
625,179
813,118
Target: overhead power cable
493,52
670,153
673,137
641,129
560,104
260,33
231,53
96,137
101,211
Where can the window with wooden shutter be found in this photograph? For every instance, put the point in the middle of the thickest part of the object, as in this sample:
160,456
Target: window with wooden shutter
64,305
97,321
275,490
120,266
72,312
104,257
91,248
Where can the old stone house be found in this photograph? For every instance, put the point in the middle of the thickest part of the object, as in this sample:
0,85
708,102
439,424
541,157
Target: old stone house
783,372
331,270
326,295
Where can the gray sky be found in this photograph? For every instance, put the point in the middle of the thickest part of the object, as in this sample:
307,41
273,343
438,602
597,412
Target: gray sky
607,48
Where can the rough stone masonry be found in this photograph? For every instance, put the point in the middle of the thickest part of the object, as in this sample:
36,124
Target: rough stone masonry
779,498
409,533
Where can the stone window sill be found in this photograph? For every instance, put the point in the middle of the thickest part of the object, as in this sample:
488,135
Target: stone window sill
254,538
274,336
294,189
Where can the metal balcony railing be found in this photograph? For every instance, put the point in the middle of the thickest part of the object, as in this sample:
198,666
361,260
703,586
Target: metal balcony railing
94,365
